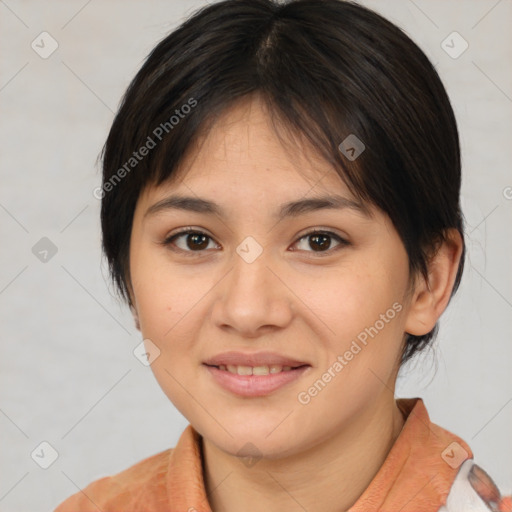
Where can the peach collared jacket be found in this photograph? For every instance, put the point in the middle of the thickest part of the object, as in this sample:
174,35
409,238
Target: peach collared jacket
428,469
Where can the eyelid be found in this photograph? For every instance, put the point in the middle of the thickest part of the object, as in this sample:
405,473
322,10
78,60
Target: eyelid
328,231
342,241
167,241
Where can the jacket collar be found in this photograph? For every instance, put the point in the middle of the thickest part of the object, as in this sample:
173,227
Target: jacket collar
415,477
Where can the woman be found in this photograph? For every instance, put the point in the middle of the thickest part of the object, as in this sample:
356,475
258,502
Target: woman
280,210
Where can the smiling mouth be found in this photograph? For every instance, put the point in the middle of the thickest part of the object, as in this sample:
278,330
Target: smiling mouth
256,370
255,381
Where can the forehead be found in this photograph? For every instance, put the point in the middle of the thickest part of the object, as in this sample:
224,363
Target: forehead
248,149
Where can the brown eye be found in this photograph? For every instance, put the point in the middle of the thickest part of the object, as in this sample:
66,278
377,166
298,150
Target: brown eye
321,242
189,241
196,241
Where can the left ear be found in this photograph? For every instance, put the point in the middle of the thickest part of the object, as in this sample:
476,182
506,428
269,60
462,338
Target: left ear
431,296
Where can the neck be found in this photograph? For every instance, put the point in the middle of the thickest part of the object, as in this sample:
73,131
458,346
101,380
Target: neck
329,476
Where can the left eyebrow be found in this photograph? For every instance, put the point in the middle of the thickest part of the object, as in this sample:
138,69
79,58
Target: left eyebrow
290,209
333,202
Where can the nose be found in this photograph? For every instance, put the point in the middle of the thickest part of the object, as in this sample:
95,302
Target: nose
253,298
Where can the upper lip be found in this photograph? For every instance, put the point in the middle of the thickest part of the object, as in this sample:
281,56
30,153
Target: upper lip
253,359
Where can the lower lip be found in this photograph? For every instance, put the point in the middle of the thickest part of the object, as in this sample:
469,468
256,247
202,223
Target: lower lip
254,385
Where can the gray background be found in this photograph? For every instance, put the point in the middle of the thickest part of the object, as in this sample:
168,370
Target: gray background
68,374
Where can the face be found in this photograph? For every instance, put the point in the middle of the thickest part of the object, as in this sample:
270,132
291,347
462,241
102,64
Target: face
248,281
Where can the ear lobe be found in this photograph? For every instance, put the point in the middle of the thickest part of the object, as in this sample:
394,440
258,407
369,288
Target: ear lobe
431,296
135,317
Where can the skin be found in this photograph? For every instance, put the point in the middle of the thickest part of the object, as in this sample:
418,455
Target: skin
318,456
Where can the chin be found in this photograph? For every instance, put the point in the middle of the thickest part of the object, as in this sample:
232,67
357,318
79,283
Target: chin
256,443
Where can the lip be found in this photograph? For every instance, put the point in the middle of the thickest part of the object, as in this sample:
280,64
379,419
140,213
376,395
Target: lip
253,359
254,385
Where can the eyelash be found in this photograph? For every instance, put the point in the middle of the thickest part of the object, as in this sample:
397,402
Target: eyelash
168,242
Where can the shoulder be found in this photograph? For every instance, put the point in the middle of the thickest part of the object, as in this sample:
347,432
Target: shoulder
473,489
447,474
144,482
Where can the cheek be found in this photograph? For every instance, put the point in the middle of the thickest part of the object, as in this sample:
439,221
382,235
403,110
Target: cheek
167,303
173,304
154,292
363,312
163,295
350,300
162,303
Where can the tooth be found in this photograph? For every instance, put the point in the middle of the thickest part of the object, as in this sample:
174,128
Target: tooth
254,370
260,370
244,370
